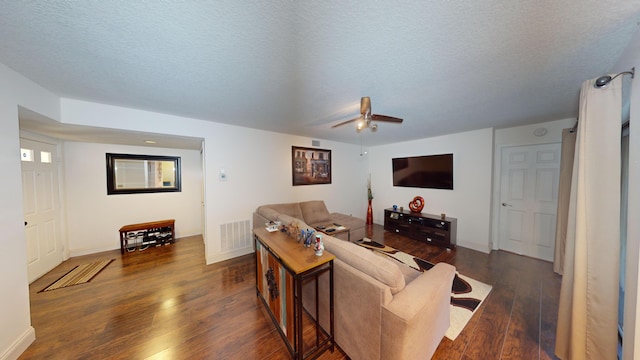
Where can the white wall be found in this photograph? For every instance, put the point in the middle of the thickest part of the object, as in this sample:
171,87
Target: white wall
95,217
16,332
524,135
631,345
469,202
519,136
257,164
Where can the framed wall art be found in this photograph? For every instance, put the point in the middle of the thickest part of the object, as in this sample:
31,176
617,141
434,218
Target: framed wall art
310,166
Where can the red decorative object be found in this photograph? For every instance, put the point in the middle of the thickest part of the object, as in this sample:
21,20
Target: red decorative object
416,204
369,214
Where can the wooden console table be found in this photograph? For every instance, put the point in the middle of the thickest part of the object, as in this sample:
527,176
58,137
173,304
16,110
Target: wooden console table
148,227
282,266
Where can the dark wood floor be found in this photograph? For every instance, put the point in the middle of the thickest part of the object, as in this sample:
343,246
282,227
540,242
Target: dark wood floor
165,303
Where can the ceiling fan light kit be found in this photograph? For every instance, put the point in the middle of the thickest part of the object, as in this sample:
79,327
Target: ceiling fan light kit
365,118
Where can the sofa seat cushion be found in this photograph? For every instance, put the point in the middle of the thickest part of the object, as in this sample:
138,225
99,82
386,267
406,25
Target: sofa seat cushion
381,269
349,221
315,212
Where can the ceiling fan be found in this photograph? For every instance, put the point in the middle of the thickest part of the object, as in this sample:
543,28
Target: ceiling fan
365,118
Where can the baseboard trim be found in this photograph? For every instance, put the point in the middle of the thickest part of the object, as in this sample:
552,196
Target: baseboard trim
214,258
473,246
20,345
82,252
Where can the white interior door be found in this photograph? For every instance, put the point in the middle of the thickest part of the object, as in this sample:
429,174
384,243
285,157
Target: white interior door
528,199
40,196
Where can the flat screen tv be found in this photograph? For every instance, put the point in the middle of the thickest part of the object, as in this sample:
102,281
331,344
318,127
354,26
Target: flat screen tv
431,171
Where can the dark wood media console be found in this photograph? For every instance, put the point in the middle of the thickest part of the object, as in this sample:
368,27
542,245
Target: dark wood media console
424,227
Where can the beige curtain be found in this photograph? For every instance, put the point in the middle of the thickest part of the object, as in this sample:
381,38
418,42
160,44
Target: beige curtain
588,310
564,190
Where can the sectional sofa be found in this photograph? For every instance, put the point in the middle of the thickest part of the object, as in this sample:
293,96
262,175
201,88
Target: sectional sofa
312,213
383,309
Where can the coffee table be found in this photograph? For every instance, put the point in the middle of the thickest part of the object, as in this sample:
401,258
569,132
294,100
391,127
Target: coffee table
334,229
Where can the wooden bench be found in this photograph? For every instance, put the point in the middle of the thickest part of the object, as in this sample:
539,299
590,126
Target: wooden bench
148,227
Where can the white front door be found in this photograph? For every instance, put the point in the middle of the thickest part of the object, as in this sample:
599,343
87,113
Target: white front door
528,199
40,196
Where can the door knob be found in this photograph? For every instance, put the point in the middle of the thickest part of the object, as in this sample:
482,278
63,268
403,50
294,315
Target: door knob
505,204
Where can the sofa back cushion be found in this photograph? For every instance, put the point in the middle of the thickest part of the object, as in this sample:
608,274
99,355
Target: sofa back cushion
287,220
315,212
290,209
379,268
268,213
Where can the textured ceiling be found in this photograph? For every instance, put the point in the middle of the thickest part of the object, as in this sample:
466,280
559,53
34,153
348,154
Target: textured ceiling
299,67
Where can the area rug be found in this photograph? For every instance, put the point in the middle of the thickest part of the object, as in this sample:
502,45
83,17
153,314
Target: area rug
467,294
79,275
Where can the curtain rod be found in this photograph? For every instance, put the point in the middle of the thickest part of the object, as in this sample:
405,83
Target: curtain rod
602,81
575,127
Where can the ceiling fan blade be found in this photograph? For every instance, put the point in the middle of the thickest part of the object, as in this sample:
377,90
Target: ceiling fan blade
365,105
386,118
346,122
